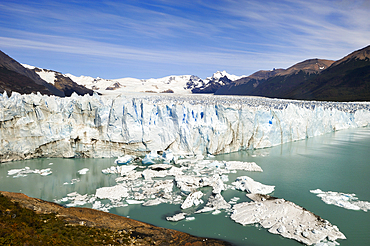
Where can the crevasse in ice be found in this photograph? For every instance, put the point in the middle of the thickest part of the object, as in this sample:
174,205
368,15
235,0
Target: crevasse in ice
103,126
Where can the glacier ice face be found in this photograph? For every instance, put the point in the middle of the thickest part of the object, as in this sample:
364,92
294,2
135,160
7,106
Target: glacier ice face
93,126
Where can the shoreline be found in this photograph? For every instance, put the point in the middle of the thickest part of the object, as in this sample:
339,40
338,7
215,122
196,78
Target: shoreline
140,231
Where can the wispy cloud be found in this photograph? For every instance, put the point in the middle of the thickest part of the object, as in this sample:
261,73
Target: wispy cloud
240,36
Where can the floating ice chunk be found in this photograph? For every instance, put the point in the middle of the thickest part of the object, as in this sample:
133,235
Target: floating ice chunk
285,218
176,217
168,156
234,200
225,178
124,159
216,212
245,183
130,201
188,183
83,171
217,184
153,155
147,160
348,201
246,166
76,199
116,192
193,199
154,202
24,171
215,202
14,171
73,181
216,164
123,170
190,218
44,172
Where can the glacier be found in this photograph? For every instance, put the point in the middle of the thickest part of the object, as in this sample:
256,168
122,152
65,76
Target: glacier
36,125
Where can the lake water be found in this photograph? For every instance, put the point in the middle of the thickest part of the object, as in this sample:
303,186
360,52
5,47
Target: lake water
338,161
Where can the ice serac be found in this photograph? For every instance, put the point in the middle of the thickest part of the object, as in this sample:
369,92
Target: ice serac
93,126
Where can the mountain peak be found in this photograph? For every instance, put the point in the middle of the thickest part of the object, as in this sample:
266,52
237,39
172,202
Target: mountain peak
361,54
220,74
314,65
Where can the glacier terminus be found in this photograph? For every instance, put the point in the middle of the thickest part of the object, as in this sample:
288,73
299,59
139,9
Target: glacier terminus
33,126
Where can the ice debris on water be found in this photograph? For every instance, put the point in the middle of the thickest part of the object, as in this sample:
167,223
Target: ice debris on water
16,173
83,171
196,185
285,218
124,159
245,183
176,217
348,201
193,199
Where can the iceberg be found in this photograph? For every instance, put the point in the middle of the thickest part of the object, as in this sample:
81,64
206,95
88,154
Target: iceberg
245,183
285,218
24,171
147,160
83,171
193,199
33,126
176,217
348,201
113,193
215,203
124,160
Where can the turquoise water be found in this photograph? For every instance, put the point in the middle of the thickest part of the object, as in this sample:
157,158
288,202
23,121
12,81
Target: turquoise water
338,161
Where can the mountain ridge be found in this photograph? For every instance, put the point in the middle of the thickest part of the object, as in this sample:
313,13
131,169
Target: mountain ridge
312,79
275,82
9,64
347,79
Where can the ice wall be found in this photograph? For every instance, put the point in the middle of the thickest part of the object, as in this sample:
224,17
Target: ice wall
93,126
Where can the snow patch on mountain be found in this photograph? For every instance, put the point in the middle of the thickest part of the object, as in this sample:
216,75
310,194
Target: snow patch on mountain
178,84
47,75
220,74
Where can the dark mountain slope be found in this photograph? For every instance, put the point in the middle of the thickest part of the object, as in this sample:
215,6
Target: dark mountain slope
65,84
276,83
13,81
348,79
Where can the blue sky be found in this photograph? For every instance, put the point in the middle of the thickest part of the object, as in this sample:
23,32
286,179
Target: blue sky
153,39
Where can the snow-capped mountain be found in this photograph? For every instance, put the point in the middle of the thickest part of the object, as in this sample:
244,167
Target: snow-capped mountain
47,75
179,84
218,75
60,81
218,79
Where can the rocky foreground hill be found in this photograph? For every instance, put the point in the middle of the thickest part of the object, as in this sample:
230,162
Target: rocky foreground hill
115,230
